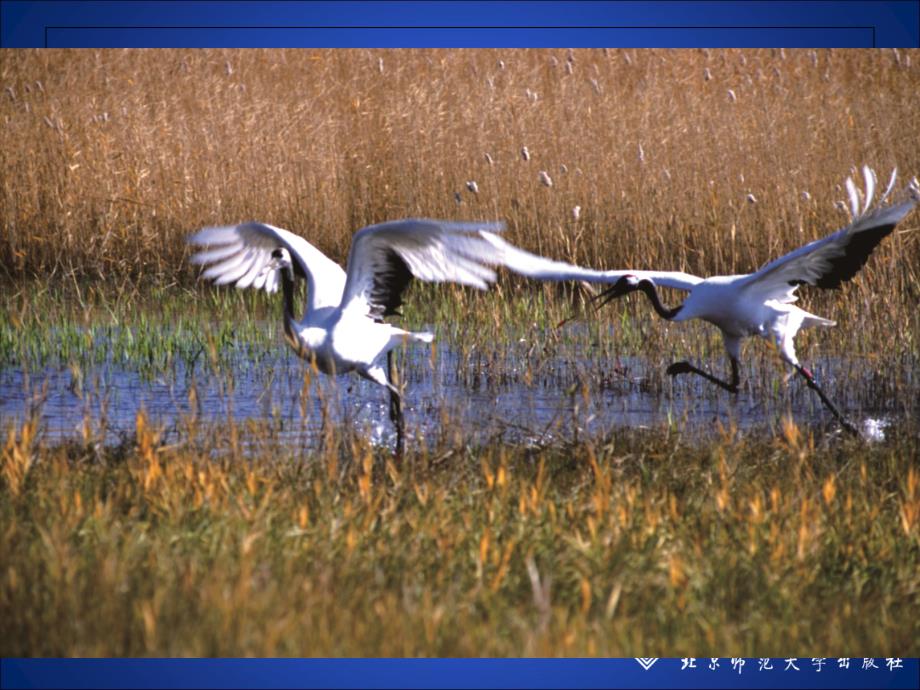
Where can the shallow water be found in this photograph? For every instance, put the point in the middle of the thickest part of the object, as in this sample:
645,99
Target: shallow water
565,394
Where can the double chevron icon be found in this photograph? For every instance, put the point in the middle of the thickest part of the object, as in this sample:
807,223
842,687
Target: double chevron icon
646,662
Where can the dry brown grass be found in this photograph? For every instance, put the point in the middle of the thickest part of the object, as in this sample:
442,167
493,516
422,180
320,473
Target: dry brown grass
111,157
637,544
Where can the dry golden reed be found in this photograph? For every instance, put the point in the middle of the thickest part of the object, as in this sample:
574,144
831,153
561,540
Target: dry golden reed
711,161
707,161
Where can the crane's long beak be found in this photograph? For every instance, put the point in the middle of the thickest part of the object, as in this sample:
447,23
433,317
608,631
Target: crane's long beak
602,299
607,296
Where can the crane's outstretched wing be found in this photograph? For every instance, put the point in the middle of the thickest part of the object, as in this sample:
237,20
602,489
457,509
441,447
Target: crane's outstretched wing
242,254
385,257
835,259
541,268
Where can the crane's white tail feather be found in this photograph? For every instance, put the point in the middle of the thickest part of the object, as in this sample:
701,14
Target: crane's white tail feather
422,337
809,320
399,337
786,326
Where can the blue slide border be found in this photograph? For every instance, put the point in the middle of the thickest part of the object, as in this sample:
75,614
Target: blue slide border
459,23
452,23
456,673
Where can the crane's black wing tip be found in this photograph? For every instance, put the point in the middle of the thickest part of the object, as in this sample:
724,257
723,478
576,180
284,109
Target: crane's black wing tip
855,255
390,282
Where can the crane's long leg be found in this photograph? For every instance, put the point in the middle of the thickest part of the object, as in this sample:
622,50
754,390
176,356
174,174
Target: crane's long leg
810,380
687,368
396,414
390,380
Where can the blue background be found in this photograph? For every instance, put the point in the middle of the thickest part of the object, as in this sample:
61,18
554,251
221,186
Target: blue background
451,23
441,673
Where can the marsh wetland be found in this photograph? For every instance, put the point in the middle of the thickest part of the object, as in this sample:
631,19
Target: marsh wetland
175,481
532,384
